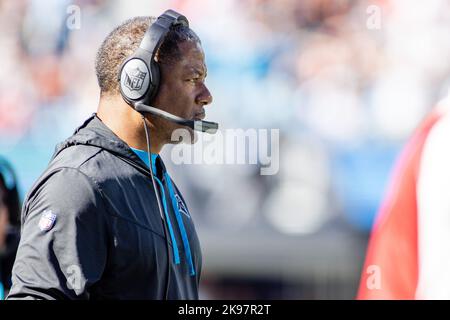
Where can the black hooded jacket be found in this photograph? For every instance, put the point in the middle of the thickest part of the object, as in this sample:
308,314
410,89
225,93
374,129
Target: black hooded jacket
91,228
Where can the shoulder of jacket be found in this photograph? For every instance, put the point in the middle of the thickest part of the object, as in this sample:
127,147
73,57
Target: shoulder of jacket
75,156
70,159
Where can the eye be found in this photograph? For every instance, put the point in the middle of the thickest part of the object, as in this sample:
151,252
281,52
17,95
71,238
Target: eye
194,79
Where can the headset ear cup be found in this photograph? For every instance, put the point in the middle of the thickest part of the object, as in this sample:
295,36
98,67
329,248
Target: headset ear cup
121,80
155,77
135,80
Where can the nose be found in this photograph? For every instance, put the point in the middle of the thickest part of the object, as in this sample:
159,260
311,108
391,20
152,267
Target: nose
204,97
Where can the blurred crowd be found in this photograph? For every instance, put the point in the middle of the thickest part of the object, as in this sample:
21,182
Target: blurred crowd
345,81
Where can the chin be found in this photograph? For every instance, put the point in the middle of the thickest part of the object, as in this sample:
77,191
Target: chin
183,134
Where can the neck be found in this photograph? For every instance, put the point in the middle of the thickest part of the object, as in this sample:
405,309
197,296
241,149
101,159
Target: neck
128,124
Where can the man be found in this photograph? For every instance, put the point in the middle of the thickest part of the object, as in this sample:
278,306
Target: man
91,224
9,223
408,255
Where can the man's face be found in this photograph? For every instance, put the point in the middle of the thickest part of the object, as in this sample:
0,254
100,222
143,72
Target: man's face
182,90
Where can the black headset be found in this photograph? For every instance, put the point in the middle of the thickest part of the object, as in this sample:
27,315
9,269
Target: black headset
139,75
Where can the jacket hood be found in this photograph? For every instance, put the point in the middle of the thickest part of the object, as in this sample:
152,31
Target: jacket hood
94,132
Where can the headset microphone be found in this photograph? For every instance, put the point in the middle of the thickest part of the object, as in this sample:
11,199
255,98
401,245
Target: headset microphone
198,125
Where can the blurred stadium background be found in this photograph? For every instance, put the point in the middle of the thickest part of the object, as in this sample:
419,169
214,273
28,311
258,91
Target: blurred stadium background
344,95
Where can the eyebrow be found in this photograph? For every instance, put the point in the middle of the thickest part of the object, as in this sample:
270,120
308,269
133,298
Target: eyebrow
199,71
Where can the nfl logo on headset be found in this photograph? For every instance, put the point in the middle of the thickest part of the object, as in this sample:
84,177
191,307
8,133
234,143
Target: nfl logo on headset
47,220
134,79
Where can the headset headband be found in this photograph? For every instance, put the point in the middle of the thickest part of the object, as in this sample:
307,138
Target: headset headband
158,30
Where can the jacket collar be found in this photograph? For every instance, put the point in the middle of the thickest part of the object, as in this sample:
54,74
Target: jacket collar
95,133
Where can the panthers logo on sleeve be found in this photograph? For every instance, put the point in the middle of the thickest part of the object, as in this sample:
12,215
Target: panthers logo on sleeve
182,207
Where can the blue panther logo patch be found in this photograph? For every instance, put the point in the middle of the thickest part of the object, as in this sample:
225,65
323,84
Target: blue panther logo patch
182,207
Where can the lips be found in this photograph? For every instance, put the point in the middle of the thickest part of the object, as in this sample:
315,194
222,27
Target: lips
200,116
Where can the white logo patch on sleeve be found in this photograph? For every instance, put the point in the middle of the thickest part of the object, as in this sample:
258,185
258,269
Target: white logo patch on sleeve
47,220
